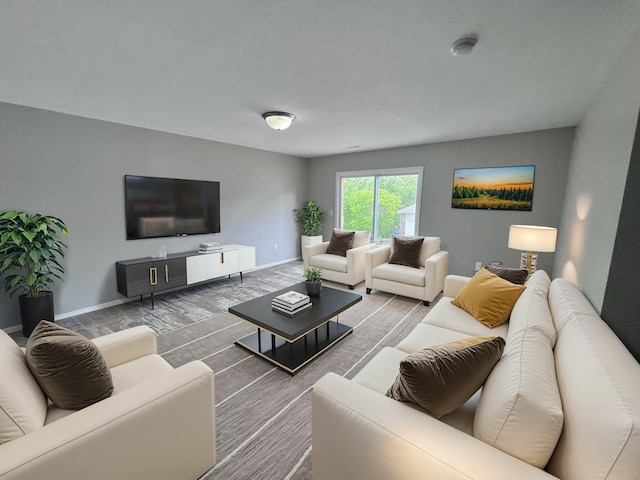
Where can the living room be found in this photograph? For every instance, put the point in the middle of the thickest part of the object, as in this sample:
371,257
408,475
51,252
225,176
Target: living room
58,160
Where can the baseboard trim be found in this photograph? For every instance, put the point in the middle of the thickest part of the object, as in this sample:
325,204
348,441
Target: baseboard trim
120,301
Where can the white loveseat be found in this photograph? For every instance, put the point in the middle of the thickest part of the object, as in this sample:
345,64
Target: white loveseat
158,424
562,402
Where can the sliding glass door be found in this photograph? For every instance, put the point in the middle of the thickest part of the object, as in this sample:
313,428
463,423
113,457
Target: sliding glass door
385,202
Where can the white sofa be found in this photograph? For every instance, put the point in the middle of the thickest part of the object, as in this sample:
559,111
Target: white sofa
158,423
424,283
347,270
562,402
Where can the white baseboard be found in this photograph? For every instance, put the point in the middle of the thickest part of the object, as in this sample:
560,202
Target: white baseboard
62,316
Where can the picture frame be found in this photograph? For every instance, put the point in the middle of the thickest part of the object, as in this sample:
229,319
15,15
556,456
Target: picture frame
493,188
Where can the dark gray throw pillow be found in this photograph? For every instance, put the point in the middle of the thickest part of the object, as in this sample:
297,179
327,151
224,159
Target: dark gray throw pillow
407,251
513,275
69,368
340,242
441,378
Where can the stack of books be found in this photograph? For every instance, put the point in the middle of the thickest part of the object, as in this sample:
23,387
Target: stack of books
210,247
291,303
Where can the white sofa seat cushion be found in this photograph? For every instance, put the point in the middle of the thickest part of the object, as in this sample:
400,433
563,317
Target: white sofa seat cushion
425,335
23,406
400,274
599,383
447,315
329,261
520,410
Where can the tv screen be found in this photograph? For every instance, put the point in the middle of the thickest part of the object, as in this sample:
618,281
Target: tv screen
169,207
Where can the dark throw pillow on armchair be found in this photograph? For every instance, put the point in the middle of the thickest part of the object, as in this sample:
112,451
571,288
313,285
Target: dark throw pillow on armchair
406,251
340,242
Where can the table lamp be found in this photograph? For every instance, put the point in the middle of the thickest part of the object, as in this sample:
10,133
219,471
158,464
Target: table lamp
532,238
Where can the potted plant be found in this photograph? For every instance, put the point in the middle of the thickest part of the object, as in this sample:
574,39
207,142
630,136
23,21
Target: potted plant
310,219
314,285
30,249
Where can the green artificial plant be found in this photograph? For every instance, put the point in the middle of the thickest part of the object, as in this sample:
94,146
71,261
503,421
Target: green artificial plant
310,218
313,274
30,248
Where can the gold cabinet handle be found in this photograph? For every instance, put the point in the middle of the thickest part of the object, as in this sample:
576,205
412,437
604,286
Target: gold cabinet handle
166,273
153,276
222,257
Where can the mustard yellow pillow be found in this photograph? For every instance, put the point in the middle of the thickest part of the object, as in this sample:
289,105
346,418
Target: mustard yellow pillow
488,298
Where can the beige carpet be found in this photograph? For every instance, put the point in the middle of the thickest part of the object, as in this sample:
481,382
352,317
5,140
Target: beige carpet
263,415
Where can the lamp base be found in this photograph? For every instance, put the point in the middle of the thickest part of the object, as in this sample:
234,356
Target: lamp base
529,261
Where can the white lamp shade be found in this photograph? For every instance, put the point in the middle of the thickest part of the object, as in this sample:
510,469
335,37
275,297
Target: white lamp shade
278,120
532,238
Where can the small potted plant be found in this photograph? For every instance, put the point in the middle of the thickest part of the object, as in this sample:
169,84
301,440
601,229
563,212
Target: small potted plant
314,285
30,248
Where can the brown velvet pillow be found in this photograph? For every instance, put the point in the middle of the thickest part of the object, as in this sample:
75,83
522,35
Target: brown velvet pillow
69,368
340,242
513,275
407,251
442,378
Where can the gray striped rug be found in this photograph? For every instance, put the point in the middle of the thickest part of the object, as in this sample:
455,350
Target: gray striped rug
263,415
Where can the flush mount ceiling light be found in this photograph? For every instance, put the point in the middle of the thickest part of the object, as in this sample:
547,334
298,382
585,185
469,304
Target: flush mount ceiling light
278,120
463,46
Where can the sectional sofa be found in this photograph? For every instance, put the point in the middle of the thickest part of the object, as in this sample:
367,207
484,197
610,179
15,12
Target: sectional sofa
563,401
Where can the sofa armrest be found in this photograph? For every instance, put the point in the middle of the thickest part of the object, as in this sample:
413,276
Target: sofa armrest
374,257
436,268
126,345
355,263
163,428
360,434
453,284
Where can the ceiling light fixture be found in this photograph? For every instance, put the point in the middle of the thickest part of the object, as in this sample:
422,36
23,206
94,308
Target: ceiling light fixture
278,120
463,46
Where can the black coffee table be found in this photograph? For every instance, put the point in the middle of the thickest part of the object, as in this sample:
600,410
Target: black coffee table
292,342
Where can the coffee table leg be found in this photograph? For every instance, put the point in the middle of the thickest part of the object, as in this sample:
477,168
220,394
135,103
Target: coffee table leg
273,344
259,341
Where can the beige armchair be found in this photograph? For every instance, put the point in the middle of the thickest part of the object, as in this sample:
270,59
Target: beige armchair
348,270
158,423
423,283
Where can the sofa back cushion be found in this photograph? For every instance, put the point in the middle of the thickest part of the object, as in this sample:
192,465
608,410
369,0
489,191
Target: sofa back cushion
520,410
361,238
23,406
599,383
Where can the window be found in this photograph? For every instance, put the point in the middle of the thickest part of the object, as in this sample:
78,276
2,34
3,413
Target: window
385,202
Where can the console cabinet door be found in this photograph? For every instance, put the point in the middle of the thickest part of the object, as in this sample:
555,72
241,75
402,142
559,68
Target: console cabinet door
229,262
134,279
171,273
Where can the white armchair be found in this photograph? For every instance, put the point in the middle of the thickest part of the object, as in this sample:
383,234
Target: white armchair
424,283
348,270
158,423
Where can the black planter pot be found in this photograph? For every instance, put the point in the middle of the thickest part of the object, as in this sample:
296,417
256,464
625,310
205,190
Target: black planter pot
314,288
34,309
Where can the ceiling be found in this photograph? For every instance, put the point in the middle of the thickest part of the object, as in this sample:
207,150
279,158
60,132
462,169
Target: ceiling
358,74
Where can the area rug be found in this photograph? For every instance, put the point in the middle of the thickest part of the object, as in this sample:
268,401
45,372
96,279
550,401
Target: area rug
263,414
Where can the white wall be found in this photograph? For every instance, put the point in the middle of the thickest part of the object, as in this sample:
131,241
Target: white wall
73,168
470,235
597,177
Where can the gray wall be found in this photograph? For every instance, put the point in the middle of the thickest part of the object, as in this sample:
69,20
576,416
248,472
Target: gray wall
597,177
469,235
73,168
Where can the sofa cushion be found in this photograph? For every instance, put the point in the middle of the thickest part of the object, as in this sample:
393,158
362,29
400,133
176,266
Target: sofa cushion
532,308
442,378
599,382
68,367
446,315
425,335
399,274
361,238
520,411
326,261
513,275
340,242
488,298
23,406
406,251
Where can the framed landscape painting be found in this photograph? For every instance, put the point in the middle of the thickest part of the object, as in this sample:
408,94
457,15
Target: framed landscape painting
497,188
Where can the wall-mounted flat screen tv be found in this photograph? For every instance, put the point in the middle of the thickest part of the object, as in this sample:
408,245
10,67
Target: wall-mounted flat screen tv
169,207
